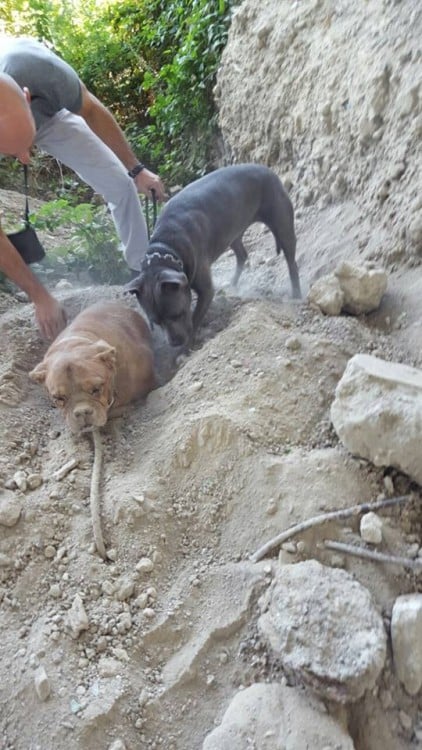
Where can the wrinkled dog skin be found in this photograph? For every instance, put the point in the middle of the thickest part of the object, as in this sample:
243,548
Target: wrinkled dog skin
195,228
100,362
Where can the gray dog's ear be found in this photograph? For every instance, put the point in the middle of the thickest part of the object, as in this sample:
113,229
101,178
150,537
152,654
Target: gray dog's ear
135,286
171,277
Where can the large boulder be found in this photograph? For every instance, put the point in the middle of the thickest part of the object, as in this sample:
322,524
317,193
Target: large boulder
377,413
406,640
324,628
271,715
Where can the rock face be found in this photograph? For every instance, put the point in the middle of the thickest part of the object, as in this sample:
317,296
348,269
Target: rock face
339,123
324,628
406,638
377,413
272,716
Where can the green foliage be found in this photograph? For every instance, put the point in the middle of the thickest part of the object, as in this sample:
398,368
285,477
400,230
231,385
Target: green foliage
92,245
153,62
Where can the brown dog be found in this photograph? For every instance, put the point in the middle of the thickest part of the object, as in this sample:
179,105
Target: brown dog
102,361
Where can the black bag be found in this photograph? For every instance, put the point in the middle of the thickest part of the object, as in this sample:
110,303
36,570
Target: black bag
26,241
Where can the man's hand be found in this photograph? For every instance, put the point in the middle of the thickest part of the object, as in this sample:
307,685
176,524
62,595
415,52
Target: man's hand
50,316
147,181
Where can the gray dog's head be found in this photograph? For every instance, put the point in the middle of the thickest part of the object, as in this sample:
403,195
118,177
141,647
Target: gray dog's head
165,295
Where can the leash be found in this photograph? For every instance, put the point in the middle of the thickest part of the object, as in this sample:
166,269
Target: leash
26,214
154,212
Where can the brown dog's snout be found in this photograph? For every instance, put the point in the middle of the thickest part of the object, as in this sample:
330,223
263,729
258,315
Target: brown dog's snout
83,413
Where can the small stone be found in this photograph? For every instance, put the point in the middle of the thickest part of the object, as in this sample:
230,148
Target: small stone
125,589
49,551
54,591
109,667
145,565
108,588
117,745
389,485
413,550
10,509
371,528
112,554
20,479
77,618
293,343
149,612
271,508
289,547
141,601
34,481
42,684
5,560
405,721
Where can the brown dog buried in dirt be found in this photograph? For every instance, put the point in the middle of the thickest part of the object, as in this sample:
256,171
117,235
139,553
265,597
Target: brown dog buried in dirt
100,362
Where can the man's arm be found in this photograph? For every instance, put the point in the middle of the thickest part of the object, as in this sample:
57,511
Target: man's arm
102,122
49,314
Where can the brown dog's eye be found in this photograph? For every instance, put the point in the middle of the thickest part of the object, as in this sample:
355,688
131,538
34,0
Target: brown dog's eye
96,391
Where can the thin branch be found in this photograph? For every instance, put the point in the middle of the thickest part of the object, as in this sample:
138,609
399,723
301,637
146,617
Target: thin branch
369,554
94,497
335,515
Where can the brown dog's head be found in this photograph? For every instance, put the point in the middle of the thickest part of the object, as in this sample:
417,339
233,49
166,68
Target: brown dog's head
165,295
80,381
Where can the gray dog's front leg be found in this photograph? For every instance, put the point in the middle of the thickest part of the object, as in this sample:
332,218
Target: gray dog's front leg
205,294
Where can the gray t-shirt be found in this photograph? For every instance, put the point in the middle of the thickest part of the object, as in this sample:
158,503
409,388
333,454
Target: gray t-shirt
52,83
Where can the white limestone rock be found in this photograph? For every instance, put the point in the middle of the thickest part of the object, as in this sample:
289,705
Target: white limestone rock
371,528
406,639
42,684
77,618
377,413
325,629
362,287
327,295
10,508
274,716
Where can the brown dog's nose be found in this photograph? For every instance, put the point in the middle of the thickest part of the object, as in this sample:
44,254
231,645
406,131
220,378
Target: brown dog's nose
83,413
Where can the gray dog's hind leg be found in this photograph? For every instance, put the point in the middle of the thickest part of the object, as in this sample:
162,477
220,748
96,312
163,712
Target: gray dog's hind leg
289,250
286,240
241,257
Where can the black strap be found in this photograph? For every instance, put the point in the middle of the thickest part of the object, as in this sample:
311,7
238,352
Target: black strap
154,212
26,215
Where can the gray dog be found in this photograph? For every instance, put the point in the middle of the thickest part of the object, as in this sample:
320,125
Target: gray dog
195,228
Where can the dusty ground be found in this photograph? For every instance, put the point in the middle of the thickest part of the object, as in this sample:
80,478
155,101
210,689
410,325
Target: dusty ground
234,448
237,445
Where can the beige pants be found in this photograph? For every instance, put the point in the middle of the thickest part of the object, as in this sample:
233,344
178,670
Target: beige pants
68,138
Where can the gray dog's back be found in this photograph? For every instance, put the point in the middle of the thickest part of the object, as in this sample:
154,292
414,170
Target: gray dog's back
216,209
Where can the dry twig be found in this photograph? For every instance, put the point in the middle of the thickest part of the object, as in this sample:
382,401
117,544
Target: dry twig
369,554
335,515
94,497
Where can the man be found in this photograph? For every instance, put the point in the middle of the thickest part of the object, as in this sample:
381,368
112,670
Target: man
43,102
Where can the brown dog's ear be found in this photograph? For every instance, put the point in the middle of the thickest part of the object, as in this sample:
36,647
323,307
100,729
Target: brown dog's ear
135,286
105,353
39,373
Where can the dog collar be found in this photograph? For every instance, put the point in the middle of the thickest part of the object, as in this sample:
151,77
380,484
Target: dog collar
149,258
